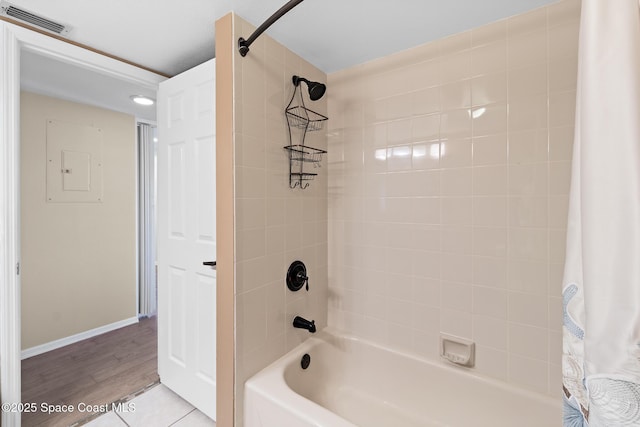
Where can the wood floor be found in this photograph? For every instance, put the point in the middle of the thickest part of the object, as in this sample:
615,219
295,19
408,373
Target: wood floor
96,371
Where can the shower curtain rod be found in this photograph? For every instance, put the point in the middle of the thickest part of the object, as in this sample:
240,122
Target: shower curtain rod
243,45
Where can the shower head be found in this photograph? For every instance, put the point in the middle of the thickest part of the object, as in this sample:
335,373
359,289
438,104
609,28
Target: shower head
316,90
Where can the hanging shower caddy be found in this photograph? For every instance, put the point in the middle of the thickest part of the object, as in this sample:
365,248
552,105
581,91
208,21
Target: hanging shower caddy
306,120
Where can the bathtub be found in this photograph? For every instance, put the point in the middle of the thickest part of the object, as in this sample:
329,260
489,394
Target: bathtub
352,382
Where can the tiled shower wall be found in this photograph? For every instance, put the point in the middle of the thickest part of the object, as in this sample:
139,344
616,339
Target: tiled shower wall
448,193
275,225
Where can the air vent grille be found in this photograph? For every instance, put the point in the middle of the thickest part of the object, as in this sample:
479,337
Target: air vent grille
33,19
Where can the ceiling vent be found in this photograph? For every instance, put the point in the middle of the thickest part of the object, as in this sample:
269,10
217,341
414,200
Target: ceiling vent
12,11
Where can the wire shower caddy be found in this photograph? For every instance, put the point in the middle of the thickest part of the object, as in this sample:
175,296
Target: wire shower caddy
306,120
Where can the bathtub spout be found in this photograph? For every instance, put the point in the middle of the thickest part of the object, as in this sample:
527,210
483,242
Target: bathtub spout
299,322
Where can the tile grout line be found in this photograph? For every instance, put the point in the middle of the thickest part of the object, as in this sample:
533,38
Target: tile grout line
183,417
122,419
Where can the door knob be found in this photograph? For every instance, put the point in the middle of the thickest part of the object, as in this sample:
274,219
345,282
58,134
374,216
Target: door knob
210,263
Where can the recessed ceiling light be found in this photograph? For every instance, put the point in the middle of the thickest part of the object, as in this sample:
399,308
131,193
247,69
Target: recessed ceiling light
142,100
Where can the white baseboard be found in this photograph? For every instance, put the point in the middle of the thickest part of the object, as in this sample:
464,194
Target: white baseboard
43,348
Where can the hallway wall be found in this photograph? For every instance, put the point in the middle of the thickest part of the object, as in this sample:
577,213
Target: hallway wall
78,259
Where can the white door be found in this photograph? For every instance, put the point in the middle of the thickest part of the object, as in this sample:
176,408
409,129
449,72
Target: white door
187,236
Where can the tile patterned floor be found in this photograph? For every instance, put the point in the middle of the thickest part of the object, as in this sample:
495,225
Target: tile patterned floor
156,407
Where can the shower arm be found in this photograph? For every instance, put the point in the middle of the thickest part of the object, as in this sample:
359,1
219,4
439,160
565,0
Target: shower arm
243,45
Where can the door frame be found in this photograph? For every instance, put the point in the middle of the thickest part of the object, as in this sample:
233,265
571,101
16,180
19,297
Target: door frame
13,40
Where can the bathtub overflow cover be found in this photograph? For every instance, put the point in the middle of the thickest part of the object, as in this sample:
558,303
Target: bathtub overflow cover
306,360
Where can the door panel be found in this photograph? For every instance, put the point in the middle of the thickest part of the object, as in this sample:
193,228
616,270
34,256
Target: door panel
187,236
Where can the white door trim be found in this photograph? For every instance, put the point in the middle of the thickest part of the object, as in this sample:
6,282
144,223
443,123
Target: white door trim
13,39
9,224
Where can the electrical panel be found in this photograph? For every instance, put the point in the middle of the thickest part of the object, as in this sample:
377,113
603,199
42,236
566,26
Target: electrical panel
74,163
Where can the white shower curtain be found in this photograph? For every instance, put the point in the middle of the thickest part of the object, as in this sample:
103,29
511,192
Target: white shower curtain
601,287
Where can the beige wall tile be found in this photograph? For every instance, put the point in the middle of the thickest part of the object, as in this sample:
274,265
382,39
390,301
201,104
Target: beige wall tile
555,272
425,128
528,373
557,245
489,332
562,108
527,49
490,241
456,296
276,224
563,40
457,240
561,143
455,153
563,12
528,113
456,95
426,155
399,158
528,81
488,88
458,176
490,302
455,322
535,20
528,179
399,132
562,73
528,211
558,211
426,101
455,66
490,58
528,146
559,178
489,119
490,180
490,211
528,309
455,124
456,182
490,33
456,210
425,210
455,43
492,362
528,243
490,271
527,276
490,149
555,324
529,341
424,74
456,268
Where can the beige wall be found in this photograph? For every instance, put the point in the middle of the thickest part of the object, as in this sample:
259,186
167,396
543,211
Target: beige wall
78,259
449,179
225,224
275,225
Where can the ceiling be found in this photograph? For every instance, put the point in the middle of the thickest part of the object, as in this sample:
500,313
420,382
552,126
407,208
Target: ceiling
72,83
171,37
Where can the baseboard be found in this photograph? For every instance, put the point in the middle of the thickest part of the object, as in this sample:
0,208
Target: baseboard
43,348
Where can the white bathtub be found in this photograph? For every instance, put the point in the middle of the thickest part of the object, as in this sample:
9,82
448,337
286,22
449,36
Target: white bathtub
353,382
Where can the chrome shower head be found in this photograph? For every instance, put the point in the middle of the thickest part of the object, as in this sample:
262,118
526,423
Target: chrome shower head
316,90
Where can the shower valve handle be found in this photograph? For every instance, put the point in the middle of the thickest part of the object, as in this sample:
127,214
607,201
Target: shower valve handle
304,279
